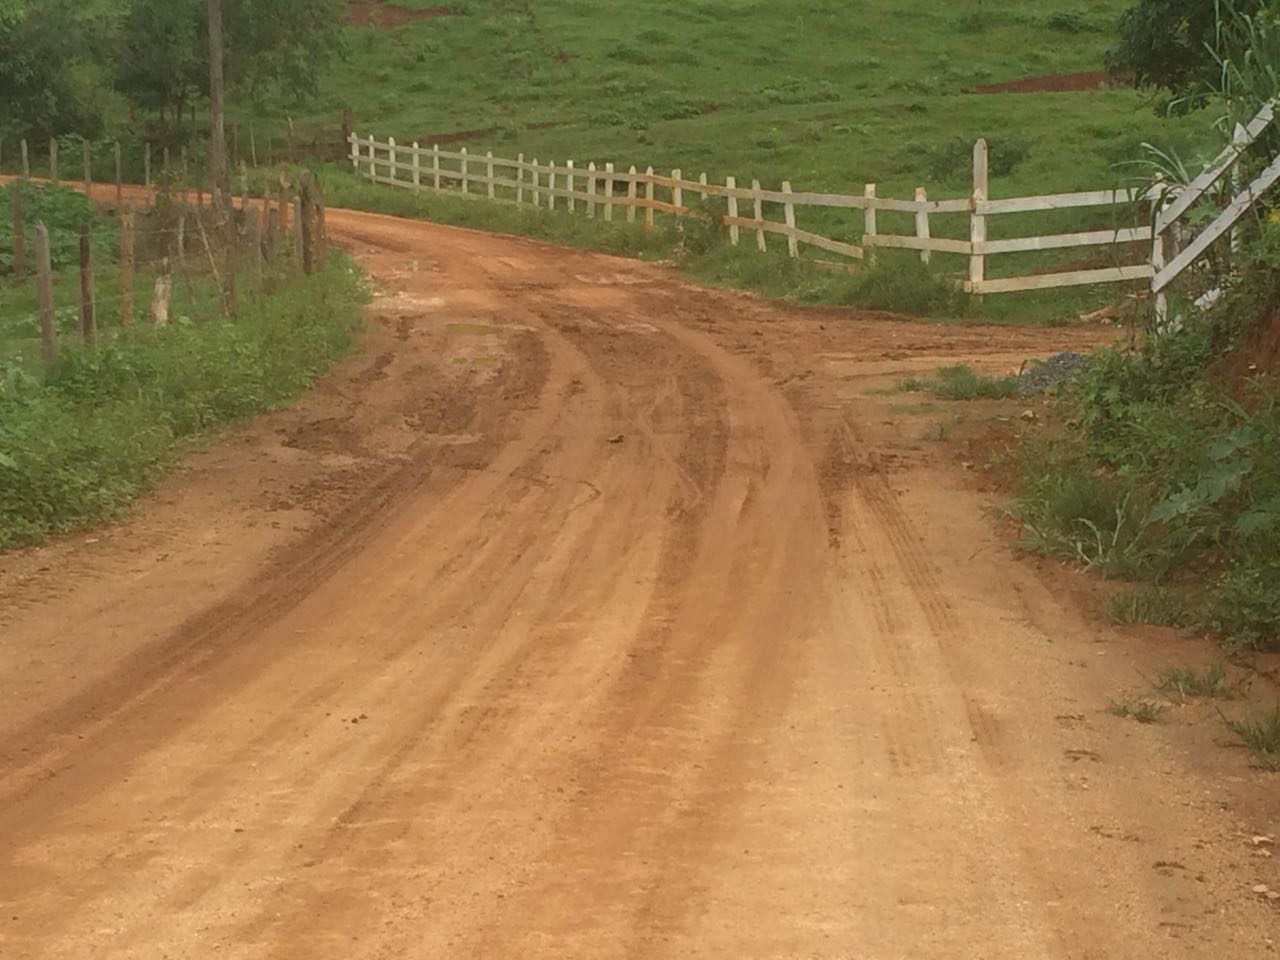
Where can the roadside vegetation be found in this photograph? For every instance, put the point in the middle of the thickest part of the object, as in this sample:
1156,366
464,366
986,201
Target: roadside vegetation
80,439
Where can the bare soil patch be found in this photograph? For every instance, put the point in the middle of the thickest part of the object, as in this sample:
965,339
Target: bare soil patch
388,16
1054,83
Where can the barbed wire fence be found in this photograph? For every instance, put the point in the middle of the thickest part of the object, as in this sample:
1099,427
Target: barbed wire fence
159,252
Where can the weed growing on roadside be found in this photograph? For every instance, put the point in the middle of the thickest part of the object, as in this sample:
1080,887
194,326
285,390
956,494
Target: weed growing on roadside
1187,682
960,382
1262,736
1155,605
1137,708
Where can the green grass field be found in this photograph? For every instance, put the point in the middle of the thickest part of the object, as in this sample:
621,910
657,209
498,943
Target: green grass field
829,93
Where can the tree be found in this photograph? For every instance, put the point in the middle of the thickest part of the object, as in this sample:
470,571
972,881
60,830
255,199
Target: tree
270,46
49,75
1170,44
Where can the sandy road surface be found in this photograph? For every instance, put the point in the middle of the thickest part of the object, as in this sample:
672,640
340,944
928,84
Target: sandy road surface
590,615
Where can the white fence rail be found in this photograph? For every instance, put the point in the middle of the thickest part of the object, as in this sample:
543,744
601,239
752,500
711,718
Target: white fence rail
608,193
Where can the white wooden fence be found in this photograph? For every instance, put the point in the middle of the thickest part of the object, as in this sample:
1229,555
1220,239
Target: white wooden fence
608,193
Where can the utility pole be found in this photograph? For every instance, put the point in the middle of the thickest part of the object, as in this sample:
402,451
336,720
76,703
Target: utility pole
219,172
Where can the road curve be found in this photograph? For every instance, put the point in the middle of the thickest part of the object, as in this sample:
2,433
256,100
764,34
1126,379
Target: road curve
588,614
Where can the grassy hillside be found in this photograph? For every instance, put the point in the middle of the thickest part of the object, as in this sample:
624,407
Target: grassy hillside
830,93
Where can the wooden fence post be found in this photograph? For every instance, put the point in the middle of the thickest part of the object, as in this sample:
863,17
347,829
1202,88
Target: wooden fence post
869,220
677,192
253,244
298,251
731,185
702,179
44,296
417,167
537,193
322,227
146,165
761,244
162,296
551,184
19,238
648,198
591,190
126,267
88,319
466,171
119,174
373,159
519,178
922,222
272,235
86,161
632,192
394,159
977,219
306,204
26,160
435,166
789,212
488,172
53,159
354,141
608,191
569,186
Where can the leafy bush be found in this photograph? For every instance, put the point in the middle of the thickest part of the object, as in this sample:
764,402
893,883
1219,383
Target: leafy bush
62,210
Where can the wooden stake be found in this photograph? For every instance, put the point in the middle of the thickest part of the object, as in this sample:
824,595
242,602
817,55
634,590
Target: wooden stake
789,211
88,318
977,221
731,185
126,267
44,296
922,222
631,196
761,243
648,198
608,191
19,238
86,161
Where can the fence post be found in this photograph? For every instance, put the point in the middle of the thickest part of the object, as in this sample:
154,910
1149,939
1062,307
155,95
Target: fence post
417,167
119,174
731,185
977,219
789,212
272,235
322,227
488,172
53,159
702,179
26,160
126,267
146,165
297,236
393,155
608,191
922,221
551,184
569,184
19,240
44,296
354,141
88,320
519,178
373,159
435,166
306,205
162,297
253,244
537,193
591,190
869,217
761,244
648,198
466,171
86,161
677,192
632,191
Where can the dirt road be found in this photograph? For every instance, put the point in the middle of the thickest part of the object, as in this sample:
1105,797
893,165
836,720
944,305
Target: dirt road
587,614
